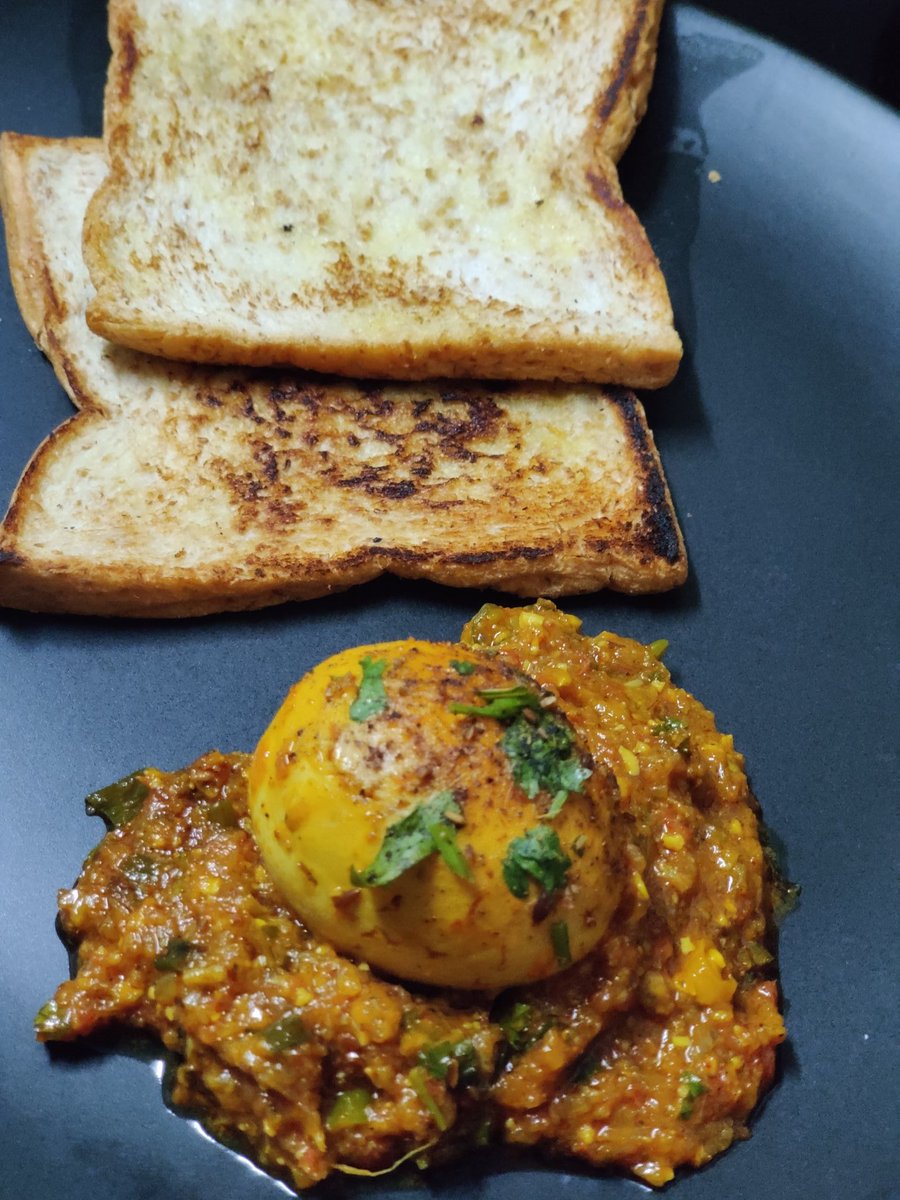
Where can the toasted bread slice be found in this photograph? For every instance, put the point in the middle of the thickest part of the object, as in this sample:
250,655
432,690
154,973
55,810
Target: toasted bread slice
180,490
403,191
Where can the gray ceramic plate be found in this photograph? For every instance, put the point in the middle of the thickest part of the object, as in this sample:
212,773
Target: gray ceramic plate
780,438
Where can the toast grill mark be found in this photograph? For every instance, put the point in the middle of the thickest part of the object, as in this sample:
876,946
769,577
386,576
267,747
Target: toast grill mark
624,64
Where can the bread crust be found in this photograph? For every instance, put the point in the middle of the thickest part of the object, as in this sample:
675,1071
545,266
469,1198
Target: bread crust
181,490
412,330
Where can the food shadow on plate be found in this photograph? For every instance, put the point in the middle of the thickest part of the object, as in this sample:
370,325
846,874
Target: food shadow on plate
388,602
88,55
662,174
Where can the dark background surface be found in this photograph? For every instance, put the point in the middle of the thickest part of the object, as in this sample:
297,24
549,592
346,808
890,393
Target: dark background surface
860,41
780,438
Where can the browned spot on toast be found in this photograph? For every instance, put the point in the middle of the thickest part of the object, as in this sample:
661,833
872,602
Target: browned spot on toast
658,529
605,192
509,552
129,61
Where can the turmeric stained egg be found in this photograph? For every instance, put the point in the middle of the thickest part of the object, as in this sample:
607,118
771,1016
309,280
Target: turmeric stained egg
430,811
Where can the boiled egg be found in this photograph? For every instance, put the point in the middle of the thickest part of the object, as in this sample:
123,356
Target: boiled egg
426,809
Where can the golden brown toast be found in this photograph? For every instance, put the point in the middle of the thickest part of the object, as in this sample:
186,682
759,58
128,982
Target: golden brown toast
181,489
401,190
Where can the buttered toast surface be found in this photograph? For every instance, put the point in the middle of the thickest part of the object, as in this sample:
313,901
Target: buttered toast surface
180,489
402,190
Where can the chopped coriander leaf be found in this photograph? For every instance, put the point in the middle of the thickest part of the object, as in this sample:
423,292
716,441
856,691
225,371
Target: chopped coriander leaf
445,1058
559,936
350,1108
539,744
502,703
118,802
691,1087
175,955
419,1081
285,1033
537,855
371,698
519,1026
544,758
444,838
670,729
411,840
514,1024
461,667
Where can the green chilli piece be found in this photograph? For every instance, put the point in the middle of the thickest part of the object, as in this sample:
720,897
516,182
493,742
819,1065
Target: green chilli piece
461,667
175,955
286,1033
51,1021
419,1080
350,1108
536,855
427,830
221,812
139,868
118,802
559,936
371,698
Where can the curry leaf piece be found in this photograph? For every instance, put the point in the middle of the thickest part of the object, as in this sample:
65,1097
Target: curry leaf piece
408,841
536,855
371,698
544,758
118,802
502,703
461,667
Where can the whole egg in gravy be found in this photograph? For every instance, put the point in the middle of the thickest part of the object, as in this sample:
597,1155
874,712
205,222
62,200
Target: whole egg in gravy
511,891
432,811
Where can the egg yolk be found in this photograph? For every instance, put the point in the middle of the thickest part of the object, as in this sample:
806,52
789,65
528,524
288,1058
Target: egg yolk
461,848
